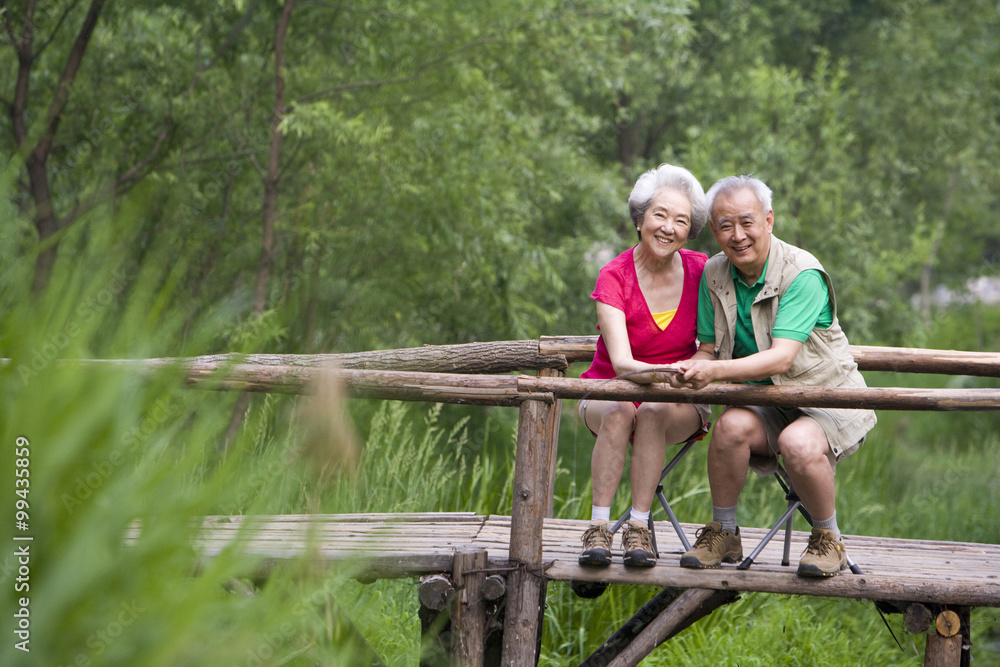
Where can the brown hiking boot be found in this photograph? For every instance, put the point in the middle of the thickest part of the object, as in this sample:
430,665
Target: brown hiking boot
597,544
713,546
824,556
637,543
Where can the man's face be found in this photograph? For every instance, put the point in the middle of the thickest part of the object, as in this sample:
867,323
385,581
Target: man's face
743,230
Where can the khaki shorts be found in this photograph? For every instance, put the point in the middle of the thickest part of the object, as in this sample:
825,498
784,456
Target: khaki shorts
776,419
704,411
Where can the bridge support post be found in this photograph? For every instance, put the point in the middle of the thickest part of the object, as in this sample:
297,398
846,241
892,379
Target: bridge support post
468,621
944,641
526,585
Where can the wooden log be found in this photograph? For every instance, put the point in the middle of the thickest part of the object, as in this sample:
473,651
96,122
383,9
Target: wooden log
942,651
873,398
862,587
486,357
494,587
468,620
689,606
531,474
503,357
510,390
947,624
617,642
917,618
391,385
554,439
868,357
434,591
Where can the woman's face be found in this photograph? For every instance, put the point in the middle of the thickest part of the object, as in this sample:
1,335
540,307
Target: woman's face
667,222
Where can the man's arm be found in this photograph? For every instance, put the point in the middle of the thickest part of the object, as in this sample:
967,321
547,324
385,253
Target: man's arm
703,368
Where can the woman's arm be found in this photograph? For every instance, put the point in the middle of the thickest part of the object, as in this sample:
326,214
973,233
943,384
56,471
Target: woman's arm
615,334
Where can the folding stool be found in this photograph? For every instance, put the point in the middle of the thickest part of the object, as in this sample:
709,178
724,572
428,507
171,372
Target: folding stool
687,445
794,503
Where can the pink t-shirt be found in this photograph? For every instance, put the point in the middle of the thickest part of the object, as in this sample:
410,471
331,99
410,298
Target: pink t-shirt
618,286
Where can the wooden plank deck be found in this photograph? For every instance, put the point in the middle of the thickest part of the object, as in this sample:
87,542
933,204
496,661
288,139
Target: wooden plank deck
401,545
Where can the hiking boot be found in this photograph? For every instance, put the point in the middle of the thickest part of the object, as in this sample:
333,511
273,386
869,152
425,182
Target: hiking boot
597,544
824,556
637,543
713,546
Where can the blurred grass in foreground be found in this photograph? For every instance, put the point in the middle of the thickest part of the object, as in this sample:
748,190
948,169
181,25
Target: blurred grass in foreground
115,447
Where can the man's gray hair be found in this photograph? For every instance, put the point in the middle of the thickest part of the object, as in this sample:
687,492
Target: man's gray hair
732,183
669,176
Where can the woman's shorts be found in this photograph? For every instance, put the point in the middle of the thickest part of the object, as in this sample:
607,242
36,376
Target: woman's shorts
704,411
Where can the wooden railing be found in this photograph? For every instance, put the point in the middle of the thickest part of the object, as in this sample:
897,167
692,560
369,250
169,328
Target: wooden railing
478,374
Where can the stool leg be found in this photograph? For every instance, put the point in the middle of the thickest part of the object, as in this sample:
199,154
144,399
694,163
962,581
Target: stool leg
618,524
785,558
652,535
673,519
748,561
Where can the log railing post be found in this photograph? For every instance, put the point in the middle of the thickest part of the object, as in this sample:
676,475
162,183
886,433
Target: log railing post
553,439
530,504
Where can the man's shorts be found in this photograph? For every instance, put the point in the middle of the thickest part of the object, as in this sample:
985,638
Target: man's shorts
841,443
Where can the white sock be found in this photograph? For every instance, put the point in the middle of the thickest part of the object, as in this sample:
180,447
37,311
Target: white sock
636,515
600,513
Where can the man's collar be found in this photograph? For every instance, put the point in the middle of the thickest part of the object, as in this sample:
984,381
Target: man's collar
759,281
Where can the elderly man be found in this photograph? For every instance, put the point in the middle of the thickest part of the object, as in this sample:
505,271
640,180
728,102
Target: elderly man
767,315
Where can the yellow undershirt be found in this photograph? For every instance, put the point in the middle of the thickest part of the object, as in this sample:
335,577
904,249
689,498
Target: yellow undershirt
663,319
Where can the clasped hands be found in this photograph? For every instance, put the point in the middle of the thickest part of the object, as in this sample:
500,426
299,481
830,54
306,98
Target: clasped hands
687,374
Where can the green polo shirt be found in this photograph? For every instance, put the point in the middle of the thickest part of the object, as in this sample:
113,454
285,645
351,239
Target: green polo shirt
804,306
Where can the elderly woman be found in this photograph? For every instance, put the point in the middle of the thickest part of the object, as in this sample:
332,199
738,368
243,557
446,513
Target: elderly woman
647,305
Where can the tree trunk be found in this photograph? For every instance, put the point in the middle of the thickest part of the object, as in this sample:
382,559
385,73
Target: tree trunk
36,157
927,271
269,210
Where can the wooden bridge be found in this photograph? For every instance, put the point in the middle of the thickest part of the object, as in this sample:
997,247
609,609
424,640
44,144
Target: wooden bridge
485,557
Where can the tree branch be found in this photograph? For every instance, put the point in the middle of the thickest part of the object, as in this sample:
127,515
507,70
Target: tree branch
22,48
230,38
5,10
55,30
132,173
269,211
61,98
139,170
336,90
122,184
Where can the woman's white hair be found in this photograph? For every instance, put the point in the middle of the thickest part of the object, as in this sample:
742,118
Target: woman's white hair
668,176
731,183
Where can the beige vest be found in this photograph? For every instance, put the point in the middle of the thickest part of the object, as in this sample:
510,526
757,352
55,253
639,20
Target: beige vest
825,357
